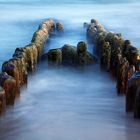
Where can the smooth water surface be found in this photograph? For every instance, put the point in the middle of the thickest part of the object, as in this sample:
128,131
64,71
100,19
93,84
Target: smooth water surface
67,104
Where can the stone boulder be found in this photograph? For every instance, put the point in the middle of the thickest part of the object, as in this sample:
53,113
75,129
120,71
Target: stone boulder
55,57
69,55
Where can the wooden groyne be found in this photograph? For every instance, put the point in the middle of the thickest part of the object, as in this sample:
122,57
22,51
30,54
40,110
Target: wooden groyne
116,55
15,71
121,59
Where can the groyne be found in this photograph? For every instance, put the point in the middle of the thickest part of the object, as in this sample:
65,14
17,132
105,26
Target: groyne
119,57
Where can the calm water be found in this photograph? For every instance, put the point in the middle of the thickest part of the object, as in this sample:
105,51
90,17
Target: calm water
67,104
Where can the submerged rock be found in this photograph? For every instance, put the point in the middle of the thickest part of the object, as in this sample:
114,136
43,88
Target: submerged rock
55,57
70,56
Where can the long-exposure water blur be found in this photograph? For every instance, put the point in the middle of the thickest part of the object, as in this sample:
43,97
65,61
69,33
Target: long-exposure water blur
67,103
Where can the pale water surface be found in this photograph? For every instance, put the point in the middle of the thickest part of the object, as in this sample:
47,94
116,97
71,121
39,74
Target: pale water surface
67,104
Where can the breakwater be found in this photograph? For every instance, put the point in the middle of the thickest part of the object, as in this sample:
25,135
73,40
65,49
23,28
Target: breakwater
121,59
15,71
